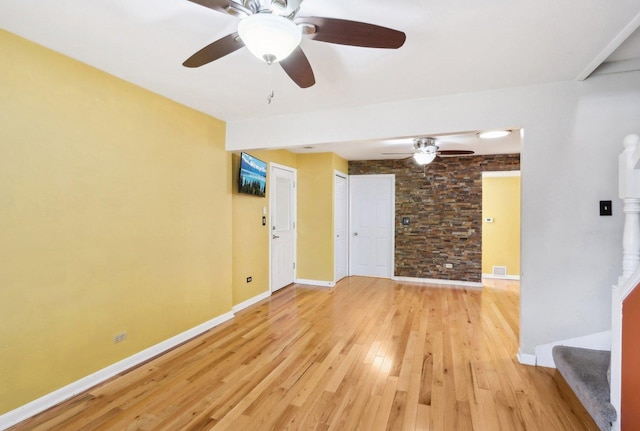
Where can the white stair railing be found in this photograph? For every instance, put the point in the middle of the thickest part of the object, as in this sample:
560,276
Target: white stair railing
629,193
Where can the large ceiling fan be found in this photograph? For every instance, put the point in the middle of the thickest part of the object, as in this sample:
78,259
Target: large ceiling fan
426,150
272,31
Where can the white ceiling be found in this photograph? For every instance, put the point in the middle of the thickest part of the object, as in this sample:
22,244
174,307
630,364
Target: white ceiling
452,47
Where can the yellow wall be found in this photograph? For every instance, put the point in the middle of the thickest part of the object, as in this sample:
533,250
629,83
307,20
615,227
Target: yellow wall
115,215
315,216
501,239
250,238
340,164
119,212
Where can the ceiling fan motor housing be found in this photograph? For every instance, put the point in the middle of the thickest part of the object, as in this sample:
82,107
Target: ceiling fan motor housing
285,7
425,145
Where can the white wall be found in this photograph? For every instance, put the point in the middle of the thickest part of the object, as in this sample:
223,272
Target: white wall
573,133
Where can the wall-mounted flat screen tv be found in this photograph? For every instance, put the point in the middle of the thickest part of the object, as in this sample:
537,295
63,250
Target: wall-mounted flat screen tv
253,175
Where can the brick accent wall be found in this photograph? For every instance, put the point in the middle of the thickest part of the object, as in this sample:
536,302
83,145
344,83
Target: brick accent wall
444,204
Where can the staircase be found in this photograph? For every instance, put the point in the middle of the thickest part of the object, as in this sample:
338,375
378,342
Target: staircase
588,373
608,382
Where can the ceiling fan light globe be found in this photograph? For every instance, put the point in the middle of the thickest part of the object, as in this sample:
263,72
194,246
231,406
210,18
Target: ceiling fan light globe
269,37
423,158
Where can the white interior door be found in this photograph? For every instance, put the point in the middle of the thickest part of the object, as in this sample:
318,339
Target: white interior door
341,223
283,226
372,228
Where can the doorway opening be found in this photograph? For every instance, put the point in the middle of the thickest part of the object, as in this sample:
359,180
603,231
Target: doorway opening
501,225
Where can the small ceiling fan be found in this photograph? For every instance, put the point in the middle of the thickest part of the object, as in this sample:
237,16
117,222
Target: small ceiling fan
427,150
272,31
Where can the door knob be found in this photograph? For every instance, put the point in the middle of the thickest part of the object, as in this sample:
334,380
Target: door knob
355,234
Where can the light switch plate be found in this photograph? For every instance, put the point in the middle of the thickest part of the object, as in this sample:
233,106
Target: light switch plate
605,208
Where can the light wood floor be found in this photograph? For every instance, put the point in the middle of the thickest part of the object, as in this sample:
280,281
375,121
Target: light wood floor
370,354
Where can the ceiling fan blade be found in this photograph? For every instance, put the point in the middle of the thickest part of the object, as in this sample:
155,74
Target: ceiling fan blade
393,154
297,66
353,33
218,5
214,51
455,152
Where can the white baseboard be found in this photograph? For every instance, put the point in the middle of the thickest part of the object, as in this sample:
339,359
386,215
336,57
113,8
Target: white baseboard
249,302
501,277
436,281
316,282
526,359
43,403
597,341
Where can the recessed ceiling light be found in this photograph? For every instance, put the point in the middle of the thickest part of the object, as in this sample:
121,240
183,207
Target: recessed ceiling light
492,134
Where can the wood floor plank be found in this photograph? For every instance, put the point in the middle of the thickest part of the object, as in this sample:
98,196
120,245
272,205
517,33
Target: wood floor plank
369,354
422,418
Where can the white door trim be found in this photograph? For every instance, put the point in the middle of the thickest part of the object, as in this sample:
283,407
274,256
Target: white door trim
294,215
337,173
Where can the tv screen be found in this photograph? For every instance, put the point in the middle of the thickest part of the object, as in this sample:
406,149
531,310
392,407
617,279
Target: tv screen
253,175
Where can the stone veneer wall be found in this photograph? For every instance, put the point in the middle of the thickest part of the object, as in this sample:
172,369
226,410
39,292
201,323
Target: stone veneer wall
444,204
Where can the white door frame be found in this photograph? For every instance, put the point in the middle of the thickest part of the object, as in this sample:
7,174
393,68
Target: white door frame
294,217
392,227
347,221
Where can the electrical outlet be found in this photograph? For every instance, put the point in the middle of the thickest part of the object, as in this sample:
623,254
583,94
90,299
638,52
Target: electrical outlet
448,265
119,338
249,279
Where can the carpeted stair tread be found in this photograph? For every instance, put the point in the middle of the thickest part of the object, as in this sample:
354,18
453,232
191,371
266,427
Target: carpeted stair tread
585,371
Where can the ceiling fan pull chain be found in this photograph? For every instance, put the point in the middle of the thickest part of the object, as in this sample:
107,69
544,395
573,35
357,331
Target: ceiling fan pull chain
269,59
